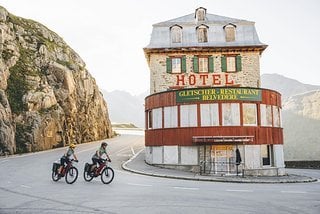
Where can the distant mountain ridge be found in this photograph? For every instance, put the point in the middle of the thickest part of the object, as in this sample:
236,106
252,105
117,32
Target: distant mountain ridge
125,107
286,86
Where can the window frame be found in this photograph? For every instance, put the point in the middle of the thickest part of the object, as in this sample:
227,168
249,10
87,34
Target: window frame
176,34
202,33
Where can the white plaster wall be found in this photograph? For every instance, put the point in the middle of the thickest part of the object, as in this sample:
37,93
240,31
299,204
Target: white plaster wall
278,156
157,153
189,155
252,157
170,155
148,154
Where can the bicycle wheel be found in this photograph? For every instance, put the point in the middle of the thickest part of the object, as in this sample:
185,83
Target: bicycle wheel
55,176
107,175
86,173
71,175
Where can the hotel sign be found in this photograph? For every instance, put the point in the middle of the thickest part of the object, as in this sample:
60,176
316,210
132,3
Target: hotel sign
218,94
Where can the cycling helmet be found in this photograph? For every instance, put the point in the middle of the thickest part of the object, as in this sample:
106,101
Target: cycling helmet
104,144
72,146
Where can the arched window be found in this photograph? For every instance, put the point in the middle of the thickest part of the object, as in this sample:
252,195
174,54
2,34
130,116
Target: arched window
230,32
202,33
200,14
176,34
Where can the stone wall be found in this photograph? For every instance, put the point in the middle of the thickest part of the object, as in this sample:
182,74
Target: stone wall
160,80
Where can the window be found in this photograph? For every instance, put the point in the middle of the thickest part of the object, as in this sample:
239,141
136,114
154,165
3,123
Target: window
170,117
249,114
203,64
176,65
230,114
276,116
230,33
202,32
157,118
150,119
209,114
200,14
231,63
176,34
266,151
266,115
188,116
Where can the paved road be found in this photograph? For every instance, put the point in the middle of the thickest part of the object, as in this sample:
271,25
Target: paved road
26,187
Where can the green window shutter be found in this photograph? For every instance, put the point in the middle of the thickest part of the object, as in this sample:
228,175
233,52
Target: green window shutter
169,66
195,64
223,64
183,65
239,64
211,64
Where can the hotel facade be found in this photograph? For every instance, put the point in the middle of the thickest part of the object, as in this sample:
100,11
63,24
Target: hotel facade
206,111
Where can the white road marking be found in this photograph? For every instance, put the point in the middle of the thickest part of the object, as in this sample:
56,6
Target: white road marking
238,190
25,186
294,192
132,151
142,185
186,188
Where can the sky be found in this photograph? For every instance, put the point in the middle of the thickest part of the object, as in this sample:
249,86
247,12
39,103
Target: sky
110,35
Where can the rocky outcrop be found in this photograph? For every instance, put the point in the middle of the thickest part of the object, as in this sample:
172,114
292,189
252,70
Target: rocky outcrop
47,97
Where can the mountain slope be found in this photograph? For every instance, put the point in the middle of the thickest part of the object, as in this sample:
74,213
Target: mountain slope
47,96
126,108
286,86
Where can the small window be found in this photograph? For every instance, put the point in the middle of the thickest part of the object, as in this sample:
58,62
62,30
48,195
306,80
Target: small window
202,33
176,34
203,64
230,33
150,119
209,114
266,115
249,114
157,118
231,63
176,65
230,114
200,14
170,117
188,116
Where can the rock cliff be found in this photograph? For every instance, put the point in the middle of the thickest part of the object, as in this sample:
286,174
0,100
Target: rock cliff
47,97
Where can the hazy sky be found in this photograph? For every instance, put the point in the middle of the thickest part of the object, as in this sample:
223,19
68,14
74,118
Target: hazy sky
110,35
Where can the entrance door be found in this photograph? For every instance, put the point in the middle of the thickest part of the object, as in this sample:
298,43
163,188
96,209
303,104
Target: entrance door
222,159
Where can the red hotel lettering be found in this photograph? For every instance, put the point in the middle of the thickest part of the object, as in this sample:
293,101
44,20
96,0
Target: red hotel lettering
216,79
192,79
204,78
180,78
227,80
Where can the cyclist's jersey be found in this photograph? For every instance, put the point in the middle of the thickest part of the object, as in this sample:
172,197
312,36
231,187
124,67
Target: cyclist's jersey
101,151
69,153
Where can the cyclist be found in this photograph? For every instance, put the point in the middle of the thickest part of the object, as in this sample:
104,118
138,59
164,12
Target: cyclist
97,157
65,159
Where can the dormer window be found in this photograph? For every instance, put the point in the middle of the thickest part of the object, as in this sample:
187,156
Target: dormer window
200,14
176,34
202,33
230,32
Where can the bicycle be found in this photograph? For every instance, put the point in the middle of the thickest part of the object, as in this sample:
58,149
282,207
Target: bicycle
69,172
106,172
